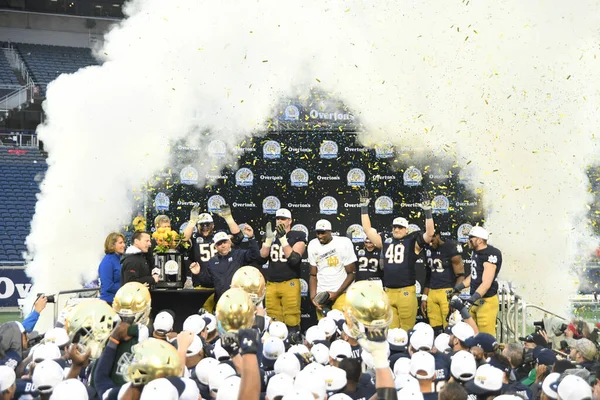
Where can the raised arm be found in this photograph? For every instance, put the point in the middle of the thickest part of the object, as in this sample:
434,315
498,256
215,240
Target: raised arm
429,226
189,229
366,221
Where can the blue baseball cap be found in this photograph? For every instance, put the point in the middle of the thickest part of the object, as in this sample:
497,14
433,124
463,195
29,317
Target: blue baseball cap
484,340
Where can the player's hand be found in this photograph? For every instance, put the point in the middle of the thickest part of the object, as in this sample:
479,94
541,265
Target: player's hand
317,305
425,202
184,339
457,303
120,332
194,215
540,373
248,341
40,304
156,278
78,357
195,268
332,296
224,211
269,234
229,342
248,231
364,198
424,307
280,231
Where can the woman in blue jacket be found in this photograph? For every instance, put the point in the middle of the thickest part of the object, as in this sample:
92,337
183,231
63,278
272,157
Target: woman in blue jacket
109,269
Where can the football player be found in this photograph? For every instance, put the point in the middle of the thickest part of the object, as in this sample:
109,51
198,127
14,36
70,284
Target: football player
400,253
486,262
202,248
445,269
283,249
368,257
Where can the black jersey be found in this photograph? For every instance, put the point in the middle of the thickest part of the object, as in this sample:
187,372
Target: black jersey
399,259
279,269
368,263
491,255
440,273
203,249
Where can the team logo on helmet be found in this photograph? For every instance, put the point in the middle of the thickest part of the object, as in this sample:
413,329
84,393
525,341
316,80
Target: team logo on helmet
356,177
161,202
215,202
328,205
384,150
412,177
356,233
303,287
463,233
189,175
300,228
384,205
291,113
329,149
271,150
244,177
217,149
271,204
299,177
413,228
440,204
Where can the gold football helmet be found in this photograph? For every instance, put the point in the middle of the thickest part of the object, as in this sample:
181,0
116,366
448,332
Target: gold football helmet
252,281
367,308
132,303
153,359
89,325
235,310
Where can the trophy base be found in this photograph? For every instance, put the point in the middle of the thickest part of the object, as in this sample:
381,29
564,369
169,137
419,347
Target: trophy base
169,285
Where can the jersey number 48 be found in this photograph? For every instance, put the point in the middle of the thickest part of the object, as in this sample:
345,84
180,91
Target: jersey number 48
395,254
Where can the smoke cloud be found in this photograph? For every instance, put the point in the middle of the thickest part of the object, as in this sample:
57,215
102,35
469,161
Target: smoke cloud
504,89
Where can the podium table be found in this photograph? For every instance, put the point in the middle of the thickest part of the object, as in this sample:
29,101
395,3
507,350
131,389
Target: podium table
183,302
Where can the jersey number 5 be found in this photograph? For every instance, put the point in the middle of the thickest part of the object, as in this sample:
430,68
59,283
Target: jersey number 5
395,254
277,253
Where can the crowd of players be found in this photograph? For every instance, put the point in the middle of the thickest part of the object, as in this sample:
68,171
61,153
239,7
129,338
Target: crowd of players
246,342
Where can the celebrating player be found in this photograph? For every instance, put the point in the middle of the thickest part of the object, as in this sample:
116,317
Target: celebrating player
445,270
283,249
331,260
399,256
368,257
485,266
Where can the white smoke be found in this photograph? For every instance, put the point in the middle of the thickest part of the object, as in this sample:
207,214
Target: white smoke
505,89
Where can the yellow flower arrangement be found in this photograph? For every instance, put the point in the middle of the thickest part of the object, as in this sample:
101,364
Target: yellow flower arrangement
167,239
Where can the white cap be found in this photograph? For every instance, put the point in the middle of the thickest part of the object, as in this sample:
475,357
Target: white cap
212,325
164,322
159,388
347,331
195,347
397,337
191,391
487,378
314,333
205,218
400,221
287,363
58,336
46,375
404,381
441,342
321,353
194,323
480,232
462,331
410,393
220,236
283,212
229,388
335,378
312,382
315,367
7,377
340,396
70,389
336,315
298,394
340,349
573,387
327,325
278,329
402,366
422,365
45,351
547,386
422,339
323,225
463,366
218,375
298,349
278,385
273,347
204,368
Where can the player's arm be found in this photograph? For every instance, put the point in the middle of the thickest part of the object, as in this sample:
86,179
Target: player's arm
459,268
489,272
350,271
312,285
268,238
366,221
429,226
225,213
189,229
425,290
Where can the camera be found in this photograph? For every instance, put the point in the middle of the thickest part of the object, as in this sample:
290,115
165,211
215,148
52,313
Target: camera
49,298
539,326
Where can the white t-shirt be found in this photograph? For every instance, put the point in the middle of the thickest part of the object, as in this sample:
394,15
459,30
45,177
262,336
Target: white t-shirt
330,260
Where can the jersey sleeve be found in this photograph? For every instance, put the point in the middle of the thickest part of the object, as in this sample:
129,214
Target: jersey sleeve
311,255
298,237
493,256
455,249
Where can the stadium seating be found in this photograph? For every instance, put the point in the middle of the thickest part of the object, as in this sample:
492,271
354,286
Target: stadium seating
22,171
46,63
